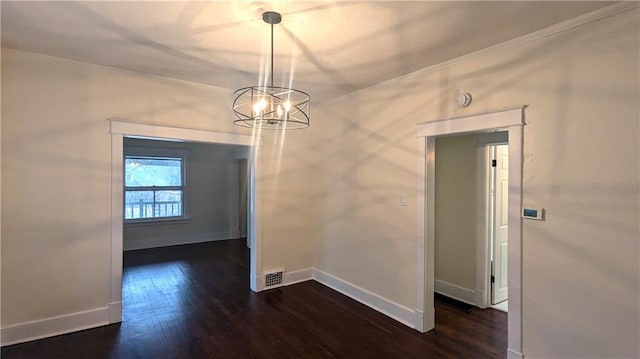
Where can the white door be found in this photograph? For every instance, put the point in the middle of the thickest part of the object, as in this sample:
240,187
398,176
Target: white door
499,288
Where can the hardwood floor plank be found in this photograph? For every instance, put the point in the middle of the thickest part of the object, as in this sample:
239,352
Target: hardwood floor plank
194,301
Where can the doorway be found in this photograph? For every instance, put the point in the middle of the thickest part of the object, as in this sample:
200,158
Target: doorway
471,218
120,129
510,120
456,217
179,193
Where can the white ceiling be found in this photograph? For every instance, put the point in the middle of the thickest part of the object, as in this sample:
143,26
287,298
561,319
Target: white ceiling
329,47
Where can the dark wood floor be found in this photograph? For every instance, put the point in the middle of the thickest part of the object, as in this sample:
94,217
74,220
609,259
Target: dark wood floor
194,302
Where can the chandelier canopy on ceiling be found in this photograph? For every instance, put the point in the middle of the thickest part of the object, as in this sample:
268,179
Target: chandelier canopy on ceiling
271,107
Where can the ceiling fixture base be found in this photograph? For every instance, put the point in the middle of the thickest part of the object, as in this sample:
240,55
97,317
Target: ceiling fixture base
271,17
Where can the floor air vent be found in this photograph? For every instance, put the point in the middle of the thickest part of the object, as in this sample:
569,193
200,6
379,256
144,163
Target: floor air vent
273,278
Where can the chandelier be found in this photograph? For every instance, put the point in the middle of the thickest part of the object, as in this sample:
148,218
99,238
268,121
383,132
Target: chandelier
271,107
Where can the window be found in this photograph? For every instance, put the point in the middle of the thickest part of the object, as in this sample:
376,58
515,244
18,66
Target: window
154,185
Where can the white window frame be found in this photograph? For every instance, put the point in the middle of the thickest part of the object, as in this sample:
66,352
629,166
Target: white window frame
159,152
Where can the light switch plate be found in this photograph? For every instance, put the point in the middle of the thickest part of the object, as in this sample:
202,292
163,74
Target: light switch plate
404,200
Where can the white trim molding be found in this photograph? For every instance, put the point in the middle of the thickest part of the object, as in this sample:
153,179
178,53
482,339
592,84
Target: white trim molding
115,312
298,276
425,310
254,220
383,305
68,323
456,292
511,120
48,327
179,134
588,18
466,124
512,354
398,312
166,241
117,220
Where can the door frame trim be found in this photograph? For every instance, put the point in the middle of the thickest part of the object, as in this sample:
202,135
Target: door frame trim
511,120
119,129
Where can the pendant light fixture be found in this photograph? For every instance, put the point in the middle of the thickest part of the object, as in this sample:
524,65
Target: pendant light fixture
271,107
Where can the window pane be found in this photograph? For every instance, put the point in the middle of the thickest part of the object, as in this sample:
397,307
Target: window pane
138,204
168,203
152,204
147,172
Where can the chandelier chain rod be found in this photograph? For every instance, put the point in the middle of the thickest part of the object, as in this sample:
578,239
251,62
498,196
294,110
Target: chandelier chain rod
272,55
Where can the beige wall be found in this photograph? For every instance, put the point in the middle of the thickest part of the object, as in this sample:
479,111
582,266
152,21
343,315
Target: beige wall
213,194
56,174
581,163
289,199
456,211
331,192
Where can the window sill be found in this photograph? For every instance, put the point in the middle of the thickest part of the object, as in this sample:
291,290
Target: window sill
156,221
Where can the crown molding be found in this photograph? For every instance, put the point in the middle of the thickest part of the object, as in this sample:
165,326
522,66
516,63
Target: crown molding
566,25
9,51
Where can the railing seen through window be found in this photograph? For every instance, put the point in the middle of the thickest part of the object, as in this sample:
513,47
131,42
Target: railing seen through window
154,188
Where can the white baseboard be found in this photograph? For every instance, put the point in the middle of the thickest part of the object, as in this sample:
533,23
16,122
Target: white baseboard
115,312
455,291
48,327
418,320
298,276
155,242
480,299
385,306
425,322
512,354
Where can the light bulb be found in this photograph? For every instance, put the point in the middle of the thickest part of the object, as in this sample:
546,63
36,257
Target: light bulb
279,111
287,106
259,106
